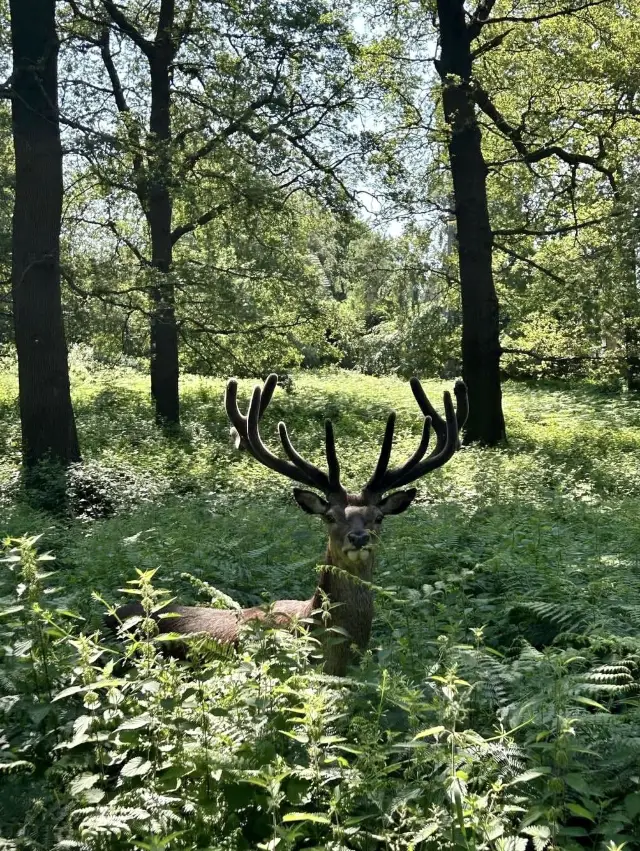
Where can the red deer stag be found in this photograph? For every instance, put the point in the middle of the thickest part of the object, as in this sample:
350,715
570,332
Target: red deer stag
353,521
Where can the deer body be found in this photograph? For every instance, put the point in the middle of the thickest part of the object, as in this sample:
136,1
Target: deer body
352,611
353,522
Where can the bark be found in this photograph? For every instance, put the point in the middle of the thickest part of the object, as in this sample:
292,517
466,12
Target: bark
632,358
631,333
627,241
480,312
48,424
154,190
164,331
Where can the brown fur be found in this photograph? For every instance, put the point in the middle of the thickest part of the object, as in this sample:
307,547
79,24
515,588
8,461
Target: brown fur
351,600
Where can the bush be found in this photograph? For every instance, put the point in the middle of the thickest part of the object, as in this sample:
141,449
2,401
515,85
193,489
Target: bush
497,707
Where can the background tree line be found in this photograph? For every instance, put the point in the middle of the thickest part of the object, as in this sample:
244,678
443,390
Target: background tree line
210,186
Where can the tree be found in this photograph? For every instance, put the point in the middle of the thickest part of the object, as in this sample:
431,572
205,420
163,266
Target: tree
478,45
480,314
217,107
7,180
564,207
444,115
48,424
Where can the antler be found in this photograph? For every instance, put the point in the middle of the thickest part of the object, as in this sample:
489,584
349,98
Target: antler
416,466
298,468
440,425
267,392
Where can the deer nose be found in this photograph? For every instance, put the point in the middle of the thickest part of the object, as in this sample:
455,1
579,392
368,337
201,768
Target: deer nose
359,539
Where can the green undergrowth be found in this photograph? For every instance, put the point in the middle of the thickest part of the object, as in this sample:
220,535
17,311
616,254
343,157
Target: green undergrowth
497,707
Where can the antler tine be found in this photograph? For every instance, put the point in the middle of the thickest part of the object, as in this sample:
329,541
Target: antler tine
300,470
332,459
439,425
315,477
243,427
383,479
239,421
417,456
439,456
268,389
260,451
233,412
385,454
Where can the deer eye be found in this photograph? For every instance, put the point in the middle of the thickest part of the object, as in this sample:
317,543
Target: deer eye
329,518
378,518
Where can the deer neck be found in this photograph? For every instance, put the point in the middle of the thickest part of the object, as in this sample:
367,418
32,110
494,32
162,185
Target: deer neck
348,590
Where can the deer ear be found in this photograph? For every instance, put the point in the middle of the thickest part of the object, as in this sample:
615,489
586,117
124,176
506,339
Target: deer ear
397,502
310,502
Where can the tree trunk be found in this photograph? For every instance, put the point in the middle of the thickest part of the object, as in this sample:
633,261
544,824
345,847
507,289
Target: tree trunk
631,331
632,355
159,207
48,424
480,313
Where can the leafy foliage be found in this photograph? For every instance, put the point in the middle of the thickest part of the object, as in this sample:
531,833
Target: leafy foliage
497,705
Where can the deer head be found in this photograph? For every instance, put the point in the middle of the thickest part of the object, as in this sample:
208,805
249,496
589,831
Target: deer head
354,520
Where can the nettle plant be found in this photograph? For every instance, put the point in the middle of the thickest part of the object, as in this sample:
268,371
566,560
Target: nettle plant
34,660
353,521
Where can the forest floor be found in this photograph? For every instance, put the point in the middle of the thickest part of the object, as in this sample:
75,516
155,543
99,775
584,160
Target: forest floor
497,708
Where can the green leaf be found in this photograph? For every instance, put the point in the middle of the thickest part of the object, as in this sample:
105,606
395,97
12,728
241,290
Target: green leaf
526,776
135,723
16,765
135,767
431,731
314,817
83,782
67,692
427,831
579,784
586,701
11,611
579,810
632,805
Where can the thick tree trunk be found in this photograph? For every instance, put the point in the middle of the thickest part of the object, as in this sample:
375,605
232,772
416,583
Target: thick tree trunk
164,331
480,315
48,425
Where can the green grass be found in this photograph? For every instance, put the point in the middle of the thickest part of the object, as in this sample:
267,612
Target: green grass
517,568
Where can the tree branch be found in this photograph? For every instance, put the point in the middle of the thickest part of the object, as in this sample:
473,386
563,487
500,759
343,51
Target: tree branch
233,127
112,72
557,231
319,166
127,28
91,131
545,16
202,220
185,28
480,18
491,44
515,134
506,250
199,327
123,108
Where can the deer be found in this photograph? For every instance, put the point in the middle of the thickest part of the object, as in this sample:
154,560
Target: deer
353,522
